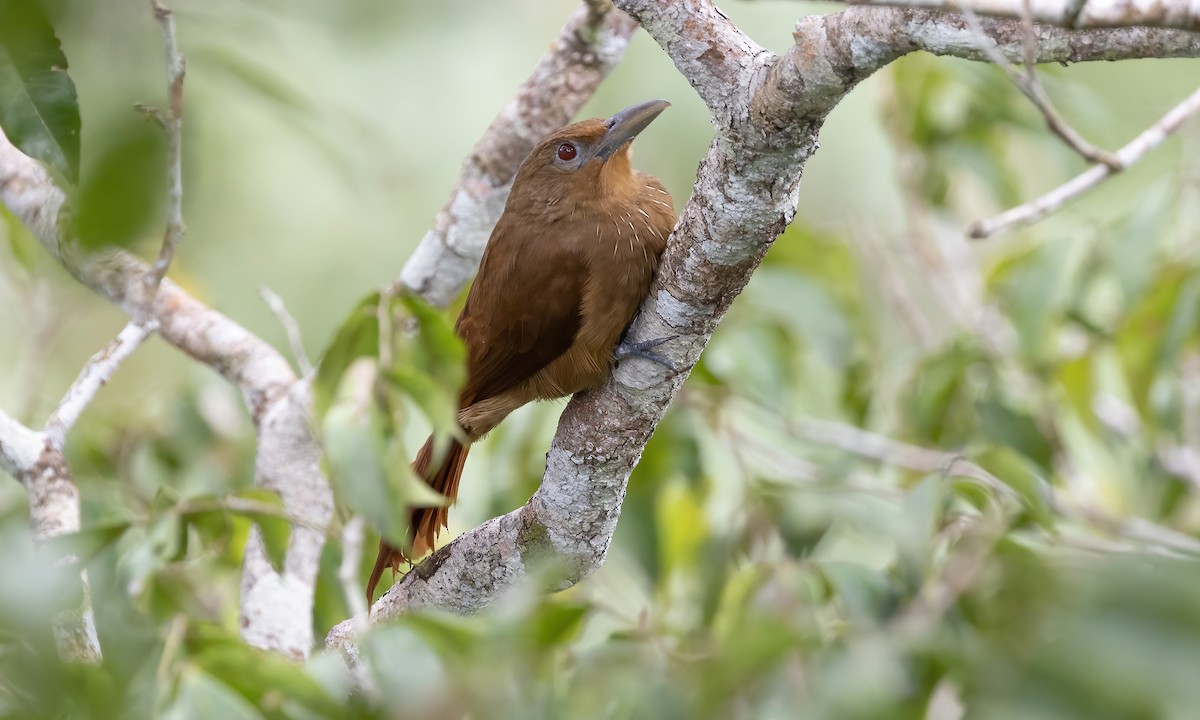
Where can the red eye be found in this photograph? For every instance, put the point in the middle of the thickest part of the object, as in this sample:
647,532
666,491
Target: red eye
566,152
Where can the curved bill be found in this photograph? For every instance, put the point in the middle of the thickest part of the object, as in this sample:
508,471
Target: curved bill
623,127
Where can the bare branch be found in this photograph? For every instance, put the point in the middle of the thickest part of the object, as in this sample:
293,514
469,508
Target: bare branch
589,45
1072,14
172,123
28,456
98,370
1032,88
290,326
1137,148
20,447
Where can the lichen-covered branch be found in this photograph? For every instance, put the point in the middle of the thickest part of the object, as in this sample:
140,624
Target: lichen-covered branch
19,446
1073,14
589,45
767,111
276,608
40,467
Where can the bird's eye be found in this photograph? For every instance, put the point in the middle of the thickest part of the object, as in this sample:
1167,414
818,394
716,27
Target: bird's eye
567,152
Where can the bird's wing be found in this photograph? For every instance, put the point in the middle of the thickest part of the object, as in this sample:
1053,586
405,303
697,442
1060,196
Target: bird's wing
523,309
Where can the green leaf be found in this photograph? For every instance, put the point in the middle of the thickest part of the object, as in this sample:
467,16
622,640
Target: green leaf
1156,328
273,525
21,243
212,526
923,505
269,682
940,401
438,402
357,337
449,635
1020,474
124,189
38,107
556,624
430,368
87,544
441,352
1003,425
200,696
683,527
1078,382
369,471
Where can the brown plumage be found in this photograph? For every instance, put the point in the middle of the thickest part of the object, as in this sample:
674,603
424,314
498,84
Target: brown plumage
565,269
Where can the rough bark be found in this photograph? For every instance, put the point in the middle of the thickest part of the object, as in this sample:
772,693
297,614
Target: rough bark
767,111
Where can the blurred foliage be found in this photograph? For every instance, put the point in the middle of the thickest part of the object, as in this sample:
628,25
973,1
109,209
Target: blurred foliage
997,516
361,416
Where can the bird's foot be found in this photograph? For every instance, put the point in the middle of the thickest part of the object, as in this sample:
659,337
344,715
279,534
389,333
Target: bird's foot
644,350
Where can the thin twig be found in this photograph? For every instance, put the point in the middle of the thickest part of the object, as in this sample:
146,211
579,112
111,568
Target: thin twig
1137,148
1032,88
290,326
172,123
95,374
103,364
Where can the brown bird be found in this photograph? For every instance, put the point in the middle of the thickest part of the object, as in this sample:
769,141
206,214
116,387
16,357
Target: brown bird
564,271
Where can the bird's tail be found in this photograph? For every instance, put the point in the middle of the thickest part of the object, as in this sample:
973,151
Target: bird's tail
424,522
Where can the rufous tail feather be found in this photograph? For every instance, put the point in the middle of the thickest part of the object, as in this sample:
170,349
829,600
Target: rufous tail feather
424,522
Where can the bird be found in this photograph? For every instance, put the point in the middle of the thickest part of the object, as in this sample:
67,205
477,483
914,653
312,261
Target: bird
561,278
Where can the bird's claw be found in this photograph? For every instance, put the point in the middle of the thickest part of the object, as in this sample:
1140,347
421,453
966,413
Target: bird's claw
643,350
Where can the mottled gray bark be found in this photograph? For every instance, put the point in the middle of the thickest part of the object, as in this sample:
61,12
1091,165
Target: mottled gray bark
767,111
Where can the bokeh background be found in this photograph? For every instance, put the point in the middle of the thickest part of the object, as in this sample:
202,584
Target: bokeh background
766,564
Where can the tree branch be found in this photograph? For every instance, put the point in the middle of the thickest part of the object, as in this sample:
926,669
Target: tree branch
288,458
589,45
767,111
202,333
1137,148
276,609
172,123
1032,88
40,467
98,370
20,447
1072,14
290,327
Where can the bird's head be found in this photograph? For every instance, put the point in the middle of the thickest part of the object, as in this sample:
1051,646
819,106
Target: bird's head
587,161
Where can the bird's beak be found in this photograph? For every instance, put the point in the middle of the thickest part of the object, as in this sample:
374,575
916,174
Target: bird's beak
622,128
